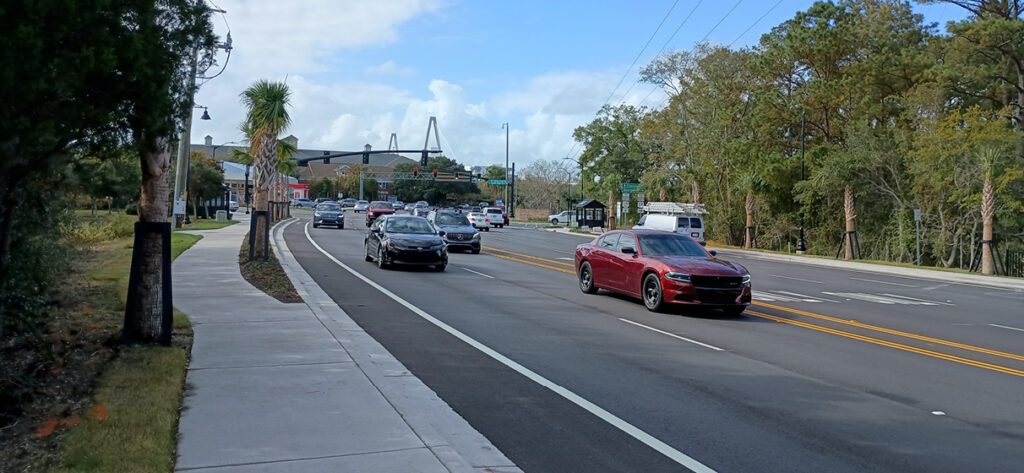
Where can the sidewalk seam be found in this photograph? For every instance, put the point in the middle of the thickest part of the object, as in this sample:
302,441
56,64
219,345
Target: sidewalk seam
343,455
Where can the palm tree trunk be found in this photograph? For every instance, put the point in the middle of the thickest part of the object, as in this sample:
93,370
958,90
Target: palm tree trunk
148,295
851,216
265,144
988,210
662,195
748,241
696,192
611,211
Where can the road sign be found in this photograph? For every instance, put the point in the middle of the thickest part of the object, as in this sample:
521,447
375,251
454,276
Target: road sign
498,182
631,187
917,215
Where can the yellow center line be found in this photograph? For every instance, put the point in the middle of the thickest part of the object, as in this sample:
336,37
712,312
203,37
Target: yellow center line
564,270
538,258
876,328
877,341
899,346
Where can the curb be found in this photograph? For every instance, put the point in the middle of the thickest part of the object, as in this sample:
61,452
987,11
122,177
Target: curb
455,443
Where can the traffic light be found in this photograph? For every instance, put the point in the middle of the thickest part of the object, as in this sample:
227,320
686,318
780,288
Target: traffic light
415,172
435,174
456,174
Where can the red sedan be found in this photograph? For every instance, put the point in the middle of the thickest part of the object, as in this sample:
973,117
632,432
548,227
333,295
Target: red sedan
376,209
660,268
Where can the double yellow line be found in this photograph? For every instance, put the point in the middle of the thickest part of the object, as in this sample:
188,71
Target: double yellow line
569,268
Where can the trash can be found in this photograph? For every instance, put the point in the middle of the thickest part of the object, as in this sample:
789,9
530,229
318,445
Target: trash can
222,215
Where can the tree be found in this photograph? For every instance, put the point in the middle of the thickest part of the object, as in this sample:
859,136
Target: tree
112,176
322,188
613,149
348,182
434,192
206,178
267,116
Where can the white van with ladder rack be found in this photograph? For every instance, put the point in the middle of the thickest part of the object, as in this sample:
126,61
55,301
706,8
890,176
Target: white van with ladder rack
677,217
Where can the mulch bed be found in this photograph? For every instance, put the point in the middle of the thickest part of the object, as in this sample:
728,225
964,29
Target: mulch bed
268,276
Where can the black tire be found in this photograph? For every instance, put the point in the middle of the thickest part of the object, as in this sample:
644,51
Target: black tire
586,278
381,263
651,293
487,229
475,251
316,225
366,251
554,221
440,267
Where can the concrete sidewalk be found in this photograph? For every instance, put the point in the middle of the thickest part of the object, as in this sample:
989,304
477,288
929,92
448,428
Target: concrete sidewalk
275,387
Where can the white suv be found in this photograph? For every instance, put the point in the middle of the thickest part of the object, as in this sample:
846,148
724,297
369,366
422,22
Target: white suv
496,215
564,217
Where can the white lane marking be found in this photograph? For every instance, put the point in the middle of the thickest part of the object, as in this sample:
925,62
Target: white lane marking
882,299
806,298
1006,327
916,299
478,273
567,259
635,432
938,413
938,286
882,282
795,279
695,342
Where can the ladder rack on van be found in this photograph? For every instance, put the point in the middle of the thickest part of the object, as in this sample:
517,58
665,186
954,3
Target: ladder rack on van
674,208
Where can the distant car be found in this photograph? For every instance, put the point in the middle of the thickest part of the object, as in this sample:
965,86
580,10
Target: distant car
420,211
321,200
404,239
304,203
376,209
233,205
347,203
458,232
398,205
564,216
329,213
464,206
496,216
361,206
479,221
662,268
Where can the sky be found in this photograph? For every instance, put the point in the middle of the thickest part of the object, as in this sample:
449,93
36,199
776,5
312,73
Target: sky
360,70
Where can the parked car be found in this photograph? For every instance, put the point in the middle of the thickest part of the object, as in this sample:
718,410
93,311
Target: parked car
479,221
329,213
233,205
347,203
420,211
496,216
304,203
405,239
398,205
321,200
409,207
662,268
564,216
361,206
458,233
376,209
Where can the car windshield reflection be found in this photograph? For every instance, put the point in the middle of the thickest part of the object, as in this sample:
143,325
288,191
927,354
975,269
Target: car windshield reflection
409,225
449,219
329,207
670,245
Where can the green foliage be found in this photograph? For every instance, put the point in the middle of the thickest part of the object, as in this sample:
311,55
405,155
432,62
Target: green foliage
206,179
322,188
103,228
113,175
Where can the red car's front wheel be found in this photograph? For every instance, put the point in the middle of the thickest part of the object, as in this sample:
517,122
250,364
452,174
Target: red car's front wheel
587,279
653,299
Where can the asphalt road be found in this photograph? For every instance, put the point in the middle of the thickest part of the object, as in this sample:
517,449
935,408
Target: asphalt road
830,370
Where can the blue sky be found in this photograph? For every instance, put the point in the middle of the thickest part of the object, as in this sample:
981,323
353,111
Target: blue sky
361,70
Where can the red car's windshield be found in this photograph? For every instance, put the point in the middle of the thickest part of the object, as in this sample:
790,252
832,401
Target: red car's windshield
380,206
669,245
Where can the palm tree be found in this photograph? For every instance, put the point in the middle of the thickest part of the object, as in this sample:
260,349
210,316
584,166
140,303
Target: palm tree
752,183
267,116
988,156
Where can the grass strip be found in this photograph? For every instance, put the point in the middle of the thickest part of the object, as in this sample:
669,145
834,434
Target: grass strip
132,424
206,224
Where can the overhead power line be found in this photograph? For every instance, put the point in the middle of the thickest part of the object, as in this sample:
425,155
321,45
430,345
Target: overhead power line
637,58
663,46
754,24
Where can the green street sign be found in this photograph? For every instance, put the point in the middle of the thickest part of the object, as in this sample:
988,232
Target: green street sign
498,182
631,187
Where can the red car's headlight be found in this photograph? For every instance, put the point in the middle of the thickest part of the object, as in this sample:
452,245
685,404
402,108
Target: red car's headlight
678,277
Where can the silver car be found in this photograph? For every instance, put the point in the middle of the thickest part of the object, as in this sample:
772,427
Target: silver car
361,206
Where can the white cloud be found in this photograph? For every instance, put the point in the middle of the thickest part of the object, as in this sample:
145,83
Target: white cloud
389,68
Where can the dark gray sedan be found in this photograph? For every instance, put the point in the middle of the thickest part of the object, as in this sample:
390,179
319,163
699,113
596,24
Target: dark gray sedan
458,232
328,213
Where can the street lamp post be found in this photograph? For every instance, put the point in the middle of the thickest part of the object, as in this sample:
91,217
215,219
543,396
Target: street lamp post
580,163
188,154
505,126
800,248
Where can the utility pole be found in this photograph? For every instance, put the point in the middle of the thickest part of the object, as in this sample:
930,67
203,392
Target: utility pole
183,145
506,126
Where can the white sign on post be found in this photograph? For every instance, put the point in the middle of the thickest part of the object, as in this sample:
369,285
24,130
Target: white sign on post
179,207
917,215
